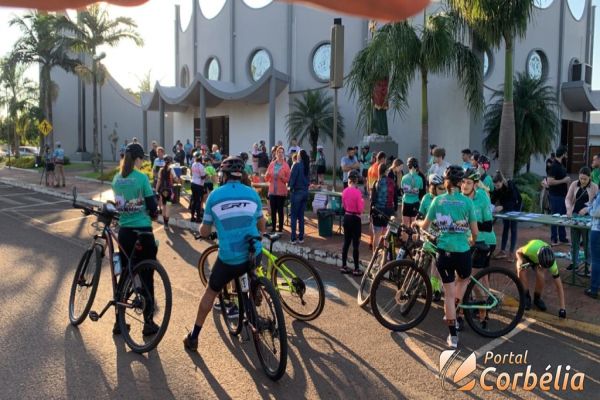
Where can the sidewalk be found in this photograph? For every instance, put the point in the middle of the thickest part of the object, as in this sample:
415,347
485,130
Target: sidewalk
582,311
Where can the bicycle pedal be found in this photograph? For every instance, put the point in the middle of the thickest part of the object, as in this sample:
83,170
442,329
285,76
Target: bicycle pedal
94,316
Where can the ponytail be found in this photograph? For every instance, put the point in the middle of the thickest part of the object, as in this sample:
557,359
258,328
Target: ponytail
127,165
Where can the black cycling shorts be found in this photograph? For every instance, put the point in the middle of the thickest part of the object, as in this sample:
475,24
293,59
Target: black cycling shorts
449,264
410,209
221,274
50,167
483,260
208,187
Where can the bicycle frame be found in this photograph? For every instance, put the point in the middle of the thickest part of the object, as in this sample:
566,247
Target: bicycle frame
285,272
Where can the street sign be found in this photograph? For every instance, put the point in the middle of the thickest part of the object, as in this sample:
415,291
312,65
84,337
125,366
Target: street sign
45,127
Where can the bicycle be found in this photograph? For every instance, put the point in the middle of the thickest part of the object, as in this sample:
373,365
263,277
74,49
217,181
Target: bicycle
135,296
493,303
260,311
298,283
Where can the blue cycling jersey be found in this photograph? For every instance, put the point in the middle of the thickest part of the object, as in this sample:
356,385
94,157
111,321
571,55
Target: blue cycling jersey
234,209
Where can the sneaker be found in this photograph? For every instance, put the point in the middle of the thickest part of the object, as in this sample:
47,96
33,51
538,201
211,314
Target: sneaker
460,323
539,303
300,241
293,241
233,312
117,328
528,302
452,341
591,293
150,328
189,343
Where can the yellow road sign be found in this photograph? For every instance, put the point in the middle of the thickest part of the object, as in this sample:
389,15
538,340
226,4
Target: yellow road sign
45,127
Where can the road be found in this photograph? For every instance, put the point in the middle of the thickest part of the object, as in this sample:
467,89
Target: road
345,353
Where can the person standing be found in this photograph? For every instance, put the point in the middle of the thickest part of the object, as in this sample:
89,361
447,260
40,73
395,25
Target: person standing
278,175
594,210
395,172
580,193
180,155
558,186
263,161
49,166
439,166
412,184
373,172
506,198
216,154
164,187
255,152
353,204
294,149
298,184
198,176
153,153
466,158
382,202
59,164
349,163
365,158
596,169
158,163
188,152
321,165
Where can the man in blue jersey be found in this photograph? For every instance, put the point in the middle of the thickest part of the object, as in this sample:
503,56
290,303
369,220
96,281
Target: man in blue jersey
235,210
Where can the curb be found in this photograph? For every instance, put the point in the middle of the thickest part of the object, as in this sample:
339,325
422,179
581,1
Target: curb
82,178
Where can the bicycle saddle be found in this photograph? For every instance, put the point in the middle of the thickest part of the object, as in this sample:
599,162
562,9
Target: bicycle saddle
273,237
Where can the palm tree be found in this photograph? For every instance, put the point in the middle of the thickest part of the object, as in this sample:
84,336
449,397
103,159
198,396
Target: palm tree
95,28
312,118
401,50
43,43
18,96
536,120
495,22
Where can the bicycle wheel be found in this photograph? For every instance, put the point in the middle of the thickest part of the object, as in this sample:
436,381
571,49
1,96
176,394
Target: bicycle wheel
206,262
375,265
487,286
144,306
400,295
85,284
230,301
269,335
300,287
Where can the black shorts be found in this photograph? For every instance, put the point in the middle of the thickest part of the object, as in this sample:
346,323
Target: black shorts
208,187
222,274
365,172
380,221
483,260
165,196
449,264
410,209
50,167
320,169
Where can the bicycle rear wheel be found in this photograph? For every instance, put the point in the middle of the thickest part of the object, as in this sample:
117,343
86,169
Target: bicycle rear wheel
230,300
401,295
375,265
144,306
270,337
85,284
300,287
206,262
490,285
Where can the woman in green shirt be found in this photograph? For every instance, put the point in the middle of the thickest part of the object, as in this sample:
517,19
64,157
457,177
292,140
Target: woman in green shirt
136,203
412,183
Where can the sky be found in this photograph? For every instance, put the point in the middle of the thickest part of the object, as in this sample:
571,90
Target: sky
129,63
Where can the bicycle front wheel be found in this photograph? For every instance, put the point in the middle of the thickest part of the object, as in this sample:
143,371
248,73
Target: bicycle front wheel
494,302
85,284
144,306
300,287
232,307
401,295
375,265
206,262
269,333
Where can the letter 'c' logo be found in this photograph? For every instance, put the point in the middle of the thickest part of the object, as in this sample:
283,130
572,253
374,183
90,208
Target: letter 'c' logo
467,367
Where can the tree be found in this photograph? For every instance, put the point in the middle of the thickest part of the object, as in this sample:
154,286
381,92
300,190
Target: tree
400,51
18,95
43,42
536,120
495,22
312,118
95,28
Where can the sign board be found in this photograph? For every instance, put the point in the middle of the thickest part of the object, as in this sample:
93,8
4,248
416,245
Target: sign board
45,127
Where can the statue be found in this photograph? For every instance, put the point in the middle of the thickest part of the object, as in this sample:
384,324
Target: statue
114,139
380,107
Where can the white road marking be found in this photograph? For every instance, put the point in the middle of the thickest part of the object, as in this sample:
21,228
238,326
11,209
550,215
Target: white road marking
502,339
67,220
10,201
14,194
32,205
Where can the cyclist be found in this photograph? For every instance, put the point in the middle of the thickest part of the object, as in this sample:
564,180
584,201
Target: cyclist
412,183
137,206
454,216
539,253
436,187
235,210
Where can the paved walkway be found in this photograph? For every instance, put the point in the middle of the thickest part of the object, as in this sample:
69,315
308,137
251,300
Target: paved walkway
581,309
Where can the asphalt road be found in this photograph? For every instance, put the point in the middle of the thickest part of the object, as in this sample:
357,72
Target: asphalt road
345,353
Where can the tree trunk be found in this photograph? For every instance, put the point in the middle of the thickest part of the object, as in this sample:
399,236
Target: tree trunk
507,140
50,115
314,138
95,119
424,118
42,103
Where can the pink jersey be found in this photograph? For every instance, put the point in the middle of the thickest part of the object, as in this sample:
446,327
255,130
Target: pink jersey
352,200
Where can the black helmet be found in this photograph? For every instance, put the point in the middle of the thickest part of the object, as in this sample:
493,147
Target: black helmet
353,175
197,155
244,156
168,160
412,163
545,257
472,174
454,174
233,166
135,150
483,159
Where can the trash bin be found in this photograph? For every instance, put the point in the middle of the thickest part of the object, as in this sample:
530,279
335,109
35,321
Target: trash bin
176,193
325,222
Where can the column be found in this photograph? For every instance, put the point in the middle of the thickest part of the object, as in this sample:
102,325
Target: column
203,115
272,87
161,119
145,129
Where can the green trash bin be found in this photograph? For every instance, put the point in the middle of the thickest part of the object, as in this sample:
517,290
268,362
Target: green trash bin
325,222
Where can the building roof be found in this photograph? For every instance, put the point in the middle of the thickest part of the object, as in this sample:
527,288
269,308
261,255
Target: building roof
179,98
578,96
